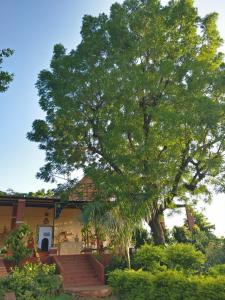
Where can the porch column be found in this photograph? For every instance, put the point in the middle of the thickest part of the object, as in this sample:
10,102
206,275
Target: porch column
21,204
13,218
18,212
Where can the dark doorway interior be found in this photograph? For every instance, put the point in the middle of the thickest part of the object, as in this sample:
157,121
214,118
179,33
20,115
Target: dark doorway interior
44,244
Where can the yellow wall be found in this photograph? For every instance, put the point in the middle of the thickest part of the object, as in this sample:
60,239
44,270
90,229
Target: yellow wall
34,216
5,217
69,222
5,221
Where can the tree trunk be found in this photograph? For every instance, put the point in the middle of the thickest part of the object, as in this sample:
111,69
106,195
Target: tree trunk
157,229
128,257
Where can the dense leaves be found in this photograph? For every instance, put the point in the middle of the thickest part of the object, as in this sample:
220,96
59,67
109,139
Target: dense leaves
200,236
16,244
168,285
5,77
139,106
33,282
181,257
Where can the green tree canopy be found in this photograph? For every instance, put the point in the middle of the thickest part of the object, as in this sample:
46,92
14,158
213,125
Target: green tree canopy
5,77
201,235
139,106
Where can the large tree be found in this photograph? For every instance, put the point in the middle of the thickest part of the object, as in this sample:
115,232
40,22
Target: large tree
139,106
5,77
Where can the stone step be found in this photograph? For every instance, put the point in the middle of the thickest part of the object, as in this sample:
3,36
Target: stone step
81,274
77,271
81,279
79,284
98,291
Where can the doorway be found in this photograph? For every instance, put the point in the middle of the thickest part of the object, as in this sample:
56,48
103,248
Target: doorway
44,237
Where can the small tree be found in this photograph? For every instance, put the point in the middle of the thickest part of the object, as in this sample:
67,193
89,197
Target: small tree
5,77
200,236
184,257
16,243
116,221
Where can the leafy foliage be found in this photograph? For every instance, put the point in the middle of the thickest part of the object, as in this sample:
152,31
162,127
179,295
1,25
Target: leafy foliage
168,285
217,270
33,282
114,220
200,236
215,252
116,262
141,236
184,257
5,77
139,106
150,258
16,244
181,257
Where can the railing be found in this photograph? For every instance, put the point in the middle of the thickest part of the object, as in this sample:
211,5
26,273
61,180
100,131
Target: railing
59,266
98,267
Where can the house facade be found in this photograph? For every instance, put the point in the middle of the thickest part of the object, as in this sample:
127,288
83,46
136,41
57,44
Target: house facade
53,223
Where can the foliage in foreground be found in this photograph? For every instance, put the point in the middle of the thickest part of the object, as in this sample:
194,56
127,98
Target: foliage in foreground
16,244
182,257
167,285
33,282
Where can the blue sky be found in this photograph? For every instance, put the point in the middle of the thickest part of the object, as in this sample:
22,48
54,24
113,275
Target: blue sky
32,28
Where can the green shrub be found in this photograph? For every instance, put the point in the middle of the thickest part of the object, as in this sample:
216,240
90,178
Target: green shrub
16,244
215,252
217,270
34,281
132,285
116,262
184,257
150,258
167,285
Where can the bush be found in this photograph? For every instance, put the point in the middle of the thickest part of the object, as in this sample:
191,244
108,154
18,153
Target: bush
217,270
33,281
184,257
167,285
116,262
150,258
132,285
16,243
215,252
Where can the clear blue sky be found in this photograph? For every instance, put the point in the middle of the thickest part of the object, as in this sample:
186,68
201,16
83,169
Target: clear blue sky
31,28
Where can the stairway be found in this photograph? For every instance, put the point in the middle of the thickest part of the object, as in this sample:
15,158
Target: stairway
3,270
80,277
77,271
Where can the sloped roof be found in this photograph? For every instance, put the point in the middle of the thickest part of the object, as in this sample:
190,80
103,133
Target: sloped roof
83,190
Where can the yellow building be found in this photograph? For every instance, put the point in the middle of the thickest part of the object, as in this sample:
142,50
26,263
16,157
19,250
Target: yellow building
54,224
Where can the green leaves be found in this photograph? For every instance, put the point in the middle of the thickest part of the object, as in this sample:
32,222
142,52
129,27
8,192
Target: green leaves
139,105
5,77
16,243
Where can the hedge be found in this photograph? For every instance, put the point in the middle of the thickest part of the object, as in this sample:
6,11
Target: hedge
168,285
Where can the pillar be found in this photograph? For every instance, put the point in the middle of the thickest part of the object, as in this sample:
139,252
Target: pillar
13,218
18,213
21,204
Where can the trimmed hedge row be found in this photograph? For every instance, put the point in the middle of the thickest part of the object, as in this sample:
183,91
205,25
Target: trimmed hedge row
168,285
